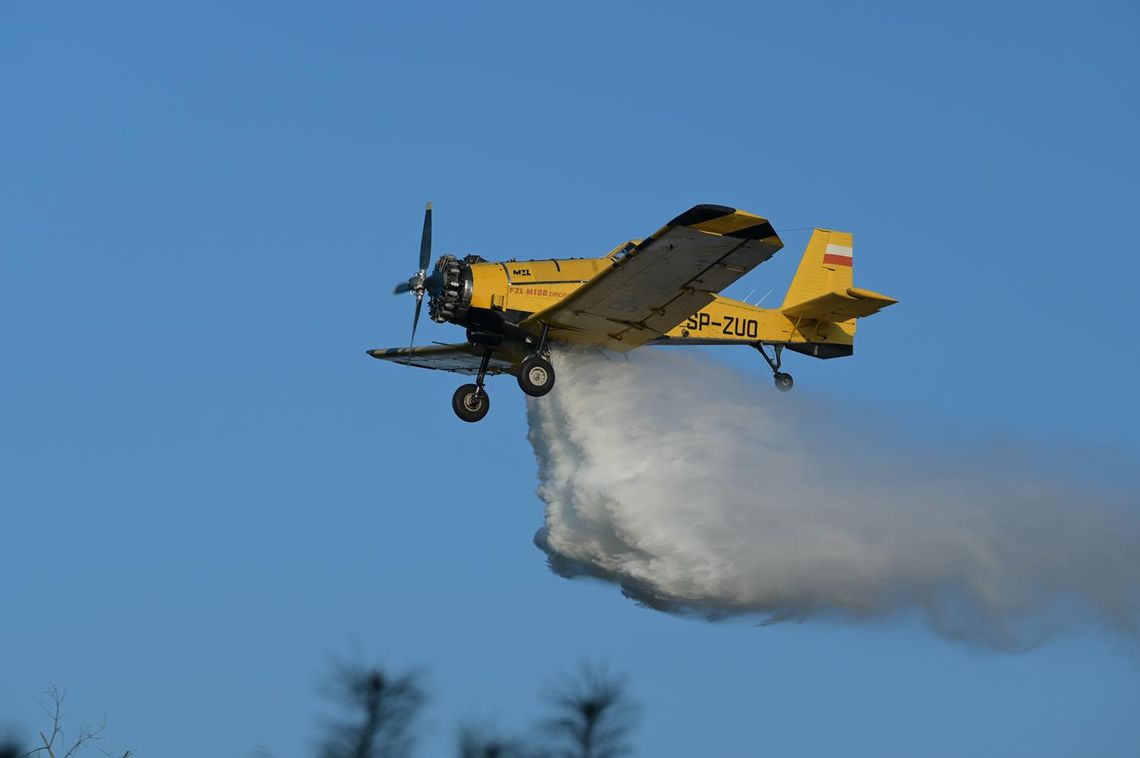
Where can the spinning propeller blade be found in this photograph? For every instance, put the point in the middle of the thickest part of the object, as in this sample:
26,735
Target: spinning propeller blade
416,284
425,241
416,321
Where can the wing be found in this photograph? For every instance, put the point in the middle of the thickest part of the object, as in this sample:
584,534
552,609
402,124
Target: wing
663,280
459,359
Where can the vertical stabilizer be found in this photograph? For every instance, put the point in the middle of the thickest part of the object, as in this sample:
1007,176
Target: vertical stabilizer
825,267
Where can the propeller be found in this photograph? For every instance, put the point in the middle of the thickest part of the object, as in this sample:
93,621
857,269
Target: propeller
420,282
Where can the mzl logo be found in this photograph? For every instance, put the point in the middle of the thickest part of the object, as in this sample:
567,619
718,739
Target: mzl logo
520,272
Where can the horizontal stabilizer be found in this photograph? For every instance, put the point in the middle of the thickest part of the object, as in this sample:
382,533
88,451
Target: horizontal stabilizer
840,305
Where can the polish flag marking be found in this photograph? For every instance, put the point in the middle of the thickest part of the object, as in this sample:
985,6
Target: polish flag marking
838,255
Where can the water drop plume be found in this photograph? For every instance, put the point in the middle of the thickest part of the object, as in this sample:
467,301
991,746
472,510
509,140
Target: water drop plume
699,490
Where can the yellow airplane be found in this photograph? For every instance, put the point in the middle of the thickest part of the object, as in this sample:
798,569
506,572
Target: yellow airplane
661,290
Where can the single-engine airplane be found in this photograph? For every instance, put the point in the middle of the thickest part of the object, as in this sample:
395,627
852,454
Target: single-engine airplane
661,290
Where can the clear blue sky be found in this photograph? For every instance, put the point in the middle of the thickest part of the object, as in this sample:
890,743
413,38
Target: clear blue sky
208,491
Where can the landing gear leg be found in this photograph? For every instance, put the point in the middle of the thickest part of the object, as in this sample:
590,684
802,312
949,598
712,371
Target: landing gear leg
471,402
483,370
783,381
536,373
540,349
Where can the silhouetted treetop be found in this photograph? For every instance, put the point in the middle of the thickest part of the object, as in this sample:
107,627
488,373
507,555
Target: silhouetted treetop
380,709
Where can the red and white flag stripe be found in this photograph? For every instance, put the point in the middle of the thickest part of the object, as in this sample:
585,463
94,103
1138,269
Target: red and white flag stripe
838,255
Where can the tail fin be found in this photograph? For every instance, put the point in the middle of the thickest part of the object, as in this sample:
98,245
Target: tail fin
822,296
826,267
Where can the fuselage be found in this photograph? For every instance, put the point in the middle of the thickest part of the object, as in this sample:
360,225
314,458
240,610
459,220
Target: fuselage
494,295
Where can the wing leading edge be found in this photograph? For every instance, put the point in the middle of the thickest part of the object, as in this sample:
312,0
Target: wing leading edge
666,278
458,359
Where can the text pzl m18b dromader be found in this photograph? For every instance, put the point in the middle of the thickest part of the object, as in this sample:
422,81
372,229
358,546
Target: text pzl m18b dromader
661,290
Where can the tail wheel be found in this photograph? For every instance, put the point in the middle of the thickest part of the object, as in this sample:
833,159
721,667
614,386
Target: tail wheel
470,403
783,381
536,376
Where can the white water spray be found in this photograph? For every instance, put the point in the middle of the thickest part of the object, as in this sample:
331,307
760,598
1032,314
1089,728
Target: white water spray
698,491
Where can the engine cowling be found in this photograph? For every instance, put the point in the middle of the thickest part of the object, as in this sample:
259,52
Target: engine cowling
451,301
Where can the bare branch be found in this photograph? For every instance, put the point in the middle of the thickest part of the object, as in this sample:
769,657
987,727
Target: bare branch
55,739
86,734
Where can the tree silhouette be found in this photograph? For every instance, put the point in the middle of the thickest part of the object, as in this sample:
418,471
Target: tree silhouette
381,710
480,742
593,716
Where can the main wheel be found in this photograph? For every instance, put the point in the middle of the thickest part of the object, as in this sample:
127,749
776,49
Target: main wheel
470,404
783,381
536,376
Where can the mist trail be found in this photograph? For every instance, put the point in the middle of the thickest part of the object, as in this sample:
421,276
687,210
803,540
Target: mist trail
698,490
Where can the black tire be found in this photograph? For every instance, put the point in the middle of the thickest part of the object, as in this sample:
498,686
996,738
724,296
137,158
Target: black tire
470,404
536,376
783,381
